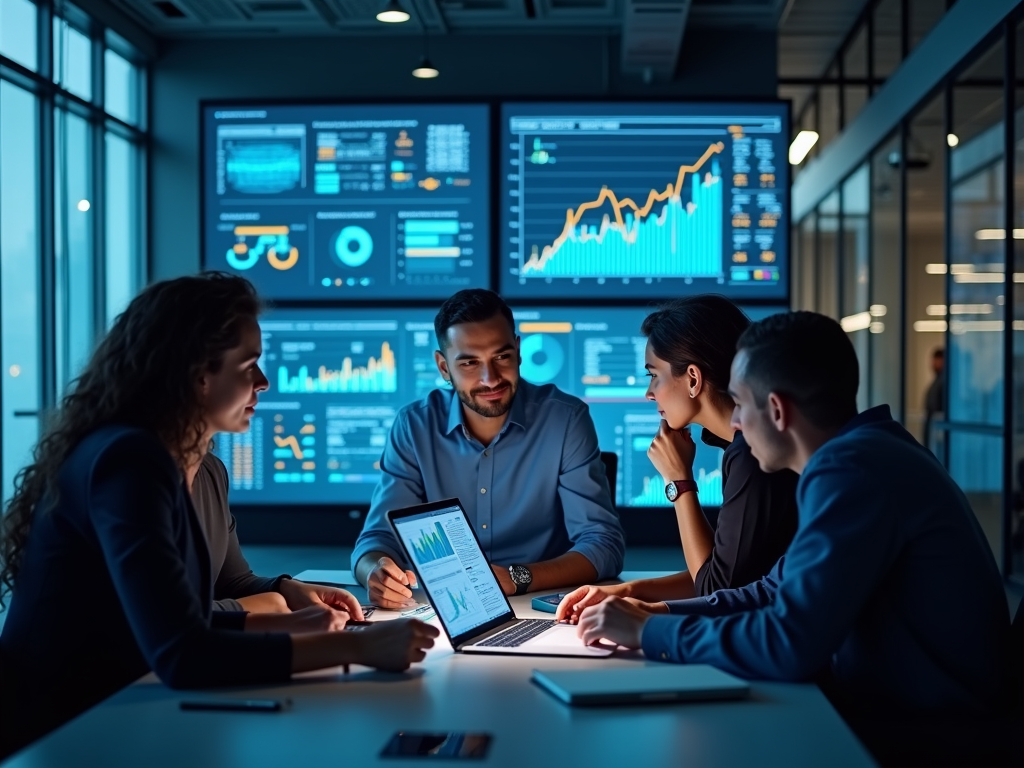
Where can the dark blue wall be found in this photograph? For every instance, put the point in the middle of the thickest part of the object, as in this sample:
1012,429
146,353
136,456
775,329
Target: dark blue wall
715,63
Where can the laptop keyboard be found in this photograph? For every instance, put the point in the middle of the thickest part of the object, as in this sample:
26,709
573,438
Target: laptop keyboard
516,635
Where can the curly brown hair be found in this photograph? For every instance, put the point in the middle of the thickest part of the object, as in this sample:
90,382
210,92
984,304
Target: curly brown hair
143,374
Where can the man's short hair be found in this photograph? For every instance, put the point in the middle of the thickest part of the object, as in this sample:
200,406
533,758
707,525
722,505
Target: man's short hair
807,358
473,305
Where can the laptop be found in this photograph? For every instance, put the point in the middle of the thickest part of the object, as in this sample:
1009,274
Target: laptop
641,685
451,568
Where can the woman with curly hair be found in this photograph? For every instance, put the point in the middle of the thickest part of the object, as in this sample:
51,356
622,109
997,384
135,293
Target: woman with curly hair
106,505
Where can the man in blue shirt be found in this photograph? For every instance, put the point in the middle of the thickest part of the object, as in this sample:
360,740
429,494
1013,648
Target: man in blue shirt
523,460
889,584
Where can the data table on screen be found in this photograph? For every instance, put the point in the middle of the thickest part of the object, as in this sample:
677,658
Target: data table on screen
348,201
634,200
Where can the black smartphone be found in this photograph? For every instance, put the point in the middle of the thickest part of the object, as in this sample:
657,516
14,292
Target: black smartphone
455,745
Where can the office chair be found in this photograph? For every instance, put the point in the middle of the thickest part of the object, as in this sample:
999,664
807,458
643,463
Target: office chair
611,469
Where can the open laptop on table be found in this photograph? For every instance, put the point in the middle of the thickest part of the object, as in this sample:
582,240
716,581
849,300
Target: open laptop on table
474,612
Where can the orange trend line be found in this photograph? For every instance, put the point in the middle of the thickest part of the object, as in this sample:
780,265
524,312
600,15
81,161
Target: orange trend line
289,442
572,218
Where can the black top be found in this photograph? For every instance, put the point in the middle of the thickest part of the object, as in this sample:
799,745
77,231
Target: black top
115,581
233,578
756,523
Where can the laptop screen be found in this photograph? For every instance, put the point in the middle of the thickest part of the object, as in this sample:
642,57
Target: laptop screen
452,568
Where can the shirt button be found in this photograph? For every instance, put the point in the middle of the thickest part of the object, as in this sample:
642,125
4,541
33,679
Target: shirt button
664,655
487,453
485,525
483,490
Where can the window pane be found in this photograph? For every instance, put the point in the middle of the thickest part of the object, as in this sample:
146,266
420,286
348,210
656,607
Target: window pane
855,67
975,357
976,463
856,202
886,279
923,15
122,233
926,269
1017,420
72,59
73,245
19,278
807,298
888,33
828,113
18,20
828,256
121,97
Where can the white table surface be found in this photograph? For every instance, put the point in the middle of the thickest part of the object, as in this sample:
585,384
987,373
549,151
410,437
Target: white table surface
339,720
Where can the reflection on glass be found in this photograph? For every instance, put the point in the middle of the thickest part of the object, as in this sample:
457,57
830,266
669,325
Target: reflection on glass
121,95
977,290
828,256
926,260
1017,417
855,67
922,16
807,287
888,31
73,224
19,276
122,237
856,318
976,464
886,278
18,20
72,59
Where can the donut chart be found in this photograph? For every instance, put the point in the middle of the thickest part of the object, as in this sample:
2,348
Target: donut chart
543,358
352,246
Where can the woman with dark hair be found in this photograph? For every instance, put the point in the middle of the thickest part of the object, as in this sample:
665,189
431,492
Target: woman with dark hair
690,346
102,552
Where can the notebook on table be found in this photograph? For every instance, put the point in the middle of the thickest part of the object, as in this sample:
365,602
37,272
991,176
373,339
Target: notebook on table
641,685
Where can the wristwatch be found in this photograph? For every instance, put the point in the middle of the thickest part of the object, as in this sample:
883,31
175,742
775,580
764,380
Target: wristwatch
677,488
521,577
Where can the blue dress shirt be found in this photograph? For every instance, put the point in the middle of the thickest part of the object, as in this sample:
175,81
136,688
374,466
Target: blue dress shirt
537,491
889,584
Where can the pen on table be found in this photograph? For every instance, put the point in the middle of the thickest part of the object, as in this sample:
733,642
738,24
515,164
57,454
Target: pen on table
235,705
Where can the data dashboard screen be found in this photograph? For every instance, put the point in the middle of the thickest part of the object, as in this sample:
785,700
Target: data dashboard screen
348,201
338,378
598,355
644,199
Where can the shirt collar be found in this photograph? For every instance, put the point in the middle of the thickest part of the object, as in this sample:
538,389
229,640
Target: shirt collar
517,414
871,416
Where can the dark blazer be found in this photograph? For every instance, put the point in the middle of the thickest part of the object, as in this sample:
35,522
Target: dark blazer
115,582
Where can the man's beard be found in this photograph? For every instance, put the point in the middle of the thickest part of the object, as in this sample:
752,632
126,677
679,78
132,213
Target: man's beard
489,409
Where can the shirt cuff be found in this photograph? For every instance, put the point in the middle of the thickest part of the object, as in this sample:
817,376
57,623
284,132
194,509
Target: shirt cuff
277,582
658,639
601,562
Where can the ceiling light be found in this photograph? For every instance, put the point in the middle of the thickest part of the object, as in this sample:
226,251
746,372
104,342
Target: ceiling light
952,139
392,13
425,70
858,322
801,146
930,326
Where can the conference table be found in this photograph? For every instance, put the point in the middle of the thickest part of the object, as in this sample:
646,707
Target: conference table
338,719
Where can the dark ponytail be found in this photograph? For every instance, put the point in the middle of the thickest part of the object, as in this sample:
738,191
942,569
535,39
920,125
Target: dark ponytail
700,331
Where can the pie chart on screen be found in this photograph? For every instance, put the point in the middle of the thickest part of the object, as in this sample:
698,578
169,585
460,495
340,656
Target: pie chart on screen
543,358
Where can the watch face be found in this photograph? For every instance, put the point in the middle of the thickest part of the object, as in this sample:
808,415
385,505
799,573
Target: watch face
671,492
520,574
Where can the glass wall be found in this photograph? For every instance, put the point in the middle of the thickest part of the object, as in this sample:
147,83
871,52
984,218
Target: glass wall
920,253
71,205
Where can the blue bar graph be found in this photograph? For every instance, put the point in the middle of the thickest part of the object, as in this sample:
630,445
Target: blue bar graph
432,545
709,490
684,239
